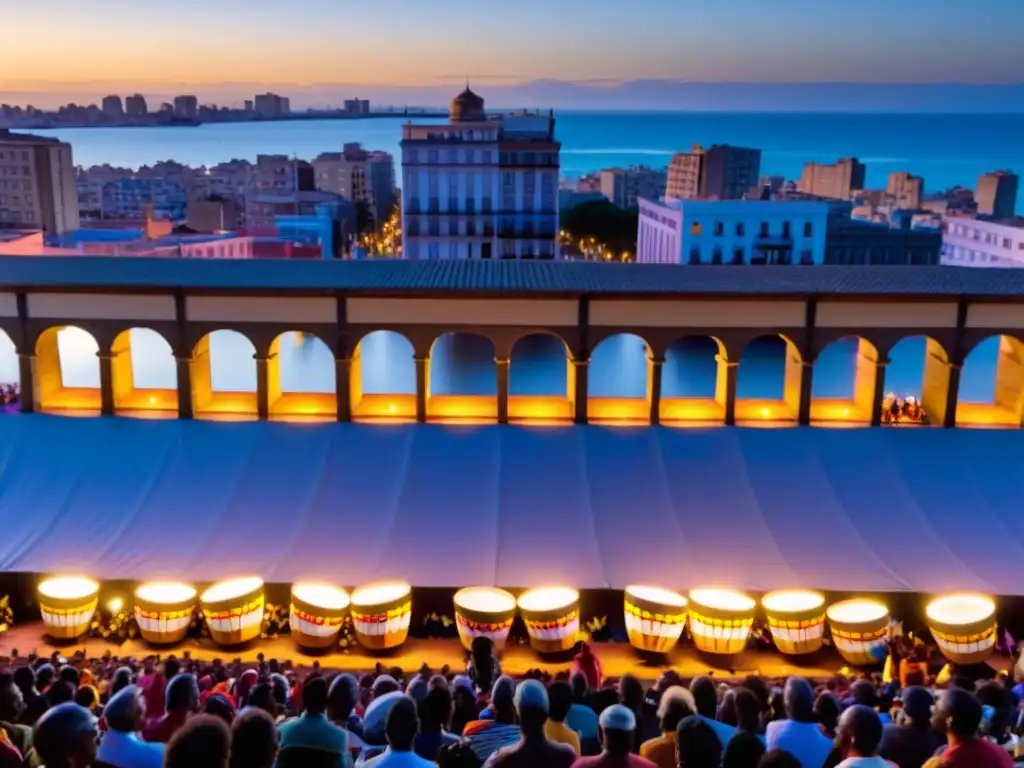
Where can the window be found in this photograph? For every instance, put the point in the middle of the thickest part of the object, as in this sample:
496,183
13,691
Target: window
786,229
716,255
432,251
806,257
719,229
432,156
695,255
740,229
1006,242
764,229
453,250
737,255
486,158
485,251
695,228
808,229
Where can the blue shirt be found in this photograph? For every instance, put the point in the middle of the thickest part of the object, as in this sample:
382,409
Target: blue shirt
127,750
314,732
804,740
723,731
583,720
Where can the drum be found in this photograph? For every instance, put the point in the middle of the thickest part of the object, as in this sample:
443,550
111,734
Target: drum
317,613
552,618
655,618
860,630
68,604
484,612
381,613
720,620
964,626
163,611
796,619
234,610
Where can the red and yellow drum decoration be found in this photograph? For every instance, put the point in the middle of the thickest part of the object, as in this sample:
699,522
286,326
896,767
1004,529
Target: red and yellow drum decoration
163,611
317,613
552,617
964,626
796,619
234,610
720,620
484,612
68,604
655,618
860,630
381,613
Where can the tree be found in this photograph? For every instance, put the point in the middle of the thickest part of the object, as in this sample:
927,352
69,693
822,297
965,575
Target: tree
364,217
613,227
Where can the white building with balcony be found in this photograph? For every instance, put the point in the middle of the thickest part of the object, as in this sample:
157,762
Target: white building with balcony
732,231
971,242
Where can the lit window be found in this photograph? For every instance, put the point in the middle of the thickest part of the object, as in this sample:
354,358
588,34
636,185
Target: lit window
695,228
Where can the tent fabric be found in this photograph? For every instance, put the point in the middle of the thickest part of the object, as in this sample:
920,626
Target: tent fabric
919,510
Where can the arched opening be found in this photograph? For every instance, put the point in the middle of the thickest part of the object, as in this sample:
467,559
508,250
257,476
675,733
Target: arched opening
301,378
693,381
224,377
144,374
844,382
618,383
916,382
768,381
462,378
541,380
992,384
383,377
10,376
67,371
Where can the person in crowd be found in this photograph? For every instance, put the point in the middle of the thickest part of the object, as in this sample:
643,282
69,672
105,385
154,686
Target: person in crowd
12,705
727,708
486,737
582,717
122,747
342,697
463,704
858,735
281,691
87,696
375,723
744,750
559,704
799,733
435,712
384,685
122,679
181,702
154,683
617,728
827,709
417,689
65,737
697,744
312,740
748,713
219,705
254,741
997,723
483,667
402,725
202,742
912,742
958,713
631,696
675,704
587,664
778,758
60,692
244,685
864,692
35,702
705,696
535,749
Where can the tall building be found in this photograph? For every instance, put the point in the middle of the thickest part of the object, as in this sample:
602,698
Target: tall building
623,186
480,187
112,106
971,242
836,181
358,175
272,105
136,105
186,107
997,194
907,189
357,106
38,188
729,172
685,172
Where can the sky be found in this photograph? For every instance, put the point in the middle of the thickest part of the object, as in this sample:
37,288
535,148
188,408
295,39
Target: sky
68,45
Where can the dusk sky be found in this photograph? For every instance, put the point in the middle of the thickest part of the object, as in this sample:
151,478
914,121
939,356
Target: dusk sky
54,44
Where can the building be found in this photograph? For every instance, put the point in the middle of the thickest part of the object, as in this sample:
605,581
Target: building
136,106
685,172
837,181
360,176
112,106
249,107
38,187
480,187
906,189
186,107
729,172
213,214
996,194
272,105
972,242
849,241
623,186
129,198
357,106
732,231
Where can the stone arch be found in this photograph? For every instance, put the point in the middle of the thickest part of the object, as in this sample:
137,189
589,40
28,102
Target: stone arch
768,380
541,378
144,374
383,377
991,390
224,377
919,367
66,371
843,388
462,378
301,378
694,380
619,379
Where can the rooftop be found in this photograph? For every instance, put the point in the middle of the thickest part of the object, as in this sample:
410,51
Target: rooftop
8,137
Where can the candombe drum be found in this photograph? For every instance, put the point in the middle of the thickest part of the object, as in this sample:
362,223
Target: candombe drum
234,610
655,618
381,613
964,626
484,612
552,618
720,620
163,611
860,630
317,613
796,618
68,604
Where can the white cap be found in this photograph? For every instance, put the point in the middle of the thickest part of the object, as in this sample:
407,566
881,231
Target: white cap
618,718
532,695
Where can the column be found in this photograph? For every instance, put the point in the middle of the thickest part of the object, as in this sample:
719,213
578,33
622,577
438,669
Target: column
185,408
952,395
580,368
262,386
422,387
27,387
106,384
342,387
879,396
654,369
732,370
502,367
803,417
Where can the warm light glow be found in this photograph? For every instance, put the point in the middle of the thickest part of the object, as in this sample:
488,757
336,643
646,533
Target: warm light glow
165,592
380,593
857,611
115,605
792,601
846,411
225,590
321,595
392,408
152,399
961,608
68,587
666,597
485,600
547,598
766,412
722,599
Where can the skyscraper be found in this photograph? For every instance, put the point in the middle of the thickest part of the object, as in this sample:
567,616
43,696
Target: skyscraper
136,105
685,172
837,181
112,106
906,188
44,195
996,194
729,172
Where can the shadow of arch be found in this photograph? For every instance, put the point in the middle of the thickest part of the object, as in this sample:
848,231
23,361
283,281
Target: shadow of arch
768,381
301,378
843,389
144,374
693,381
462,378
10,375
991,390
542,381
67,371
383,377
619,380
918,368
224,380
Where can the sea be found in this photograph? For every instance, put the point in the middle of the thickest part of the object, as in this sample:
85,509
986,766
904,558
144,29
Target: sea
946,150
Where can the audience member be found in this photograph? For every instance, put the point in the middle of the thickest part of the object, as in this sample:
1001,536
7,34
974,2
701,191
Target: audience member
65,737
486,737
312,740
181,702
958,713
559,704
827,710
435,712
12,705
697,744
748,713
254,740
401,728
483,667
202,742
911,743
857,736
631,696
122,747
778,758
705,696
534,749
676,703
219,705
799,733
582,717
744,750
617,727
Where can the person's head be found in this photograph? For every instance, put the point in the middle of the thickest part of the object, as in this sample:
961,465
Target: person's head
917,706
778,758
126,710
578,682
705,696
727,709
997,703
482,657
631,693
436,709
744,750
503,700
675,704
697,745
203,742
957,714
559,701
44,676
25,679
532,706
826,709
60,692
218,705
315,696
798,700
171,668
69,675
402,724
281,689
65,737
617,726
756,685
748,710
86,696
384,685
182,694
253,740
864,692
342,697
12,701
122,679
262,696
859,731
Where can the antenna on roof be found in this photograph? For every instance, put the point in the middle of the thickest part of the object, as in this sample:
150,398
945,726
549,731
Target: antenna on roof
467,82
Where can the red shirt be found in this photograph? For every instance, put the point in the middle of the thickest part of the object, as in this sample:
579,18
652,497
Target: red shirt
160,729
154,688
613,761
976,753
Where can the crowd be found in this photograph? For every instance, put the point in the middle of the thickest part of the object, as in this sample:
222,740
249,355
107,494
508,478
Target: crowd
182,713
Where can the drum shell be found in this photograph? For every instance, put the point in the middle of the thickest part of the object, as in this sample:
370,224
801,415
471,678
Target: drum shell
981,633
874,634
638,610
566,618
252,602
718,617
399,608
334,617
802,621
498,623
83,609
162,612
